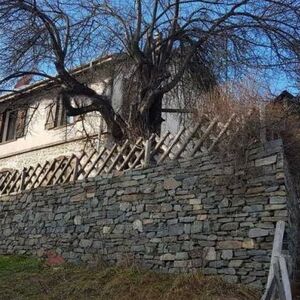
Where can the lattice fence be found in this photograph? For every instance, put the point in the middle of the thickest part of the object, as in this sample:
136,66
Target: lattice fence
202,138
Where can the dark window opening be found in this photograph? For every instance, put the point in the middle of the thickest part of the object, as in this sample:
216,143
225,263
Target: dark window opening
12,124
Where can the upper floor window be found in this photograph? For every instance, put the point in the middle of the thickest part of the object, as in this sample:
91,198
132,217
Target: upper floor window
57,115
12,124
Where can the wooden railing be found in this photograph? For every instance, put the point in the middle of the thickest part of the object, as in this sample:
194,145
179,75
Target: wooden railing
278,284
202,138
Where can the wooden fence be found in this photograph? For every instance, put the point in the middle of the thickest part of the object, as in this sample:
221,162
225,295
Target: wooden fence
202,138
278,284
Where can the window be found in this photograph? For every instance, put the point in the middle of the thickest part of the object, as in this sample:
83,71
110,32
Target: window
12,124
57,115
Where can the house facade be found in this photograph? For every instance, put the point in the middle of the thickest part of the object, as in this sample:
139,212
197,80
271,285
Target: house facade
34,126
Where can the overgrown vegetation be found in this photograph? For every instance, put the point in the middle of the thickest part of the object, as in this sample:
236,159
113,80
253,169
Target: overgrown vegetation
159,47
28,278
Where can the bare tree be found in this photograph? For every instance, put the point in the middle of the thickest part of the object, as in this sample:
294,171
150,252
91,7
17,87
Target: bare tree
162,45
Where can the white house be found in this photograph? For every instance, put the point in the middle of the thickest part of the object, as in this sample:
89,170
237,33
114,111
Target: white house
34,126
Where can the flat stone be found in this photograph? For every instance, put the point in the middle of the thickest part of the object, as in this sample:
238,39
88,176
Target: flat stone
181,255
78,197
230,226
77,220
224,203
180,264
196,227
171,184
85,243
106,229
230,244
195,201
248,244
210,253
277,200
124,206
257,232
256,190
176,229
137,225
227,254
266,161
167,257
94,202
235,263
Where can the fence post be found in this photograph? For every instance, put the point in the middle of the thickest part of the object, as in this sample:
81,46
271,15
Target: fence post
262,117
22,182
147,145
75,173
276,252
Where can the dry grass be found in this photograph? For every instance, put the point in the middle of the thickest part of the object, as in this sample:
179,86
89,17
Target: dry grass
243,101
78,282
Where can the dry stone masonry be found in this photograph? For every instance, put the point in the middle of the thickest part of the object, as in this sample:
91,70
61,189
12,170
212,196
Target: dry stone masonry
203,214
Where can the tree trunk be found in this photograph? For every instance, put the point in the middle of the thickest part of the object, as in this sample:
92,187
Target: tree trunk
147,122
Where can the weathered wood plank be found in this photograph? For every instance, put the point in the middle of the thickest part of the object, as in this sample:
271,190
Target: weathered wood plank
9,181
106,159
173,143
115,161
64,169
28,181
187,140
204,136
14,183
40,173
69,175
130,154
217,139
285,278
47,172
55,171
147,154
276,252
86,175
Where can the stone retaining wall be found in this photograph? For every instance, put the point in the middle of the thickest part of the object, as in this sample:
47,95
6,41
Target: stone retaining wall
196,214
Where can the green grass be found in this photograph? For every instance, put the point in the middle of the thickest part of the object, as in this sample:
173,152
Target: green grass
14,264
27,278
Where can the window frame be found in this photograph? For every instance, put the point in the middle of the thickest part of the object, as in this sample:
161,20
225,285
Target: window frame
19,123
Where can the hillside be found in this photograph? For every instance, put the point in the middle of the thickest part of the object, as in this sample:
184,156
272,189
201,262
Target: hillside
28,278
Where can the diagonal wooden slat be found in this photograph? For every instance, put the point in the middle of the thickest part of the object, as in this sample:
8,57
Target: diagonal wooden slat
115,161
55,170
221,133
204,136
14,183
78,160
173,143
160,143
9,181
5,178
64,169
86,175
137,160
89,159
47,171
187,140
31,176
130,154
106,159
40,174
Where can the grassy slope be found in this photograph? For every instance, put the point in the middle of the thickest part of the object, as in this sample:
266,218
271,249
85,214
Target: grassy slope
27,278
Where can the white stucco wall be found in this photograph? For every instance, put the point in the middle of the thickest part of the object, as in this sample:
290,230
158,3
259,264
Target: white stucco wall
40,144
